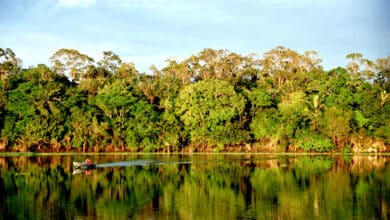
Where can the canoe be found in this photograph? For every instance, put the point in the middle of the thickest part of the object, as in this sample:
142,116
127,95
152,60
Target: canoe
83,165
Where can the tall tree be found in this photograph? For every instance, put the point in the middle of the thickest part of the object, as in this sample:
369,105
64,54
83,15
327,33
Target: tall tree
111,61
284,65
223,64
71,62
383,73
360,67
9,63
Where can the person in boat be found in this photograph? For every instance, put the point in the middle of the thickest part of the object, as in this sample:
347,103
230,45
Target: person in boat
88,161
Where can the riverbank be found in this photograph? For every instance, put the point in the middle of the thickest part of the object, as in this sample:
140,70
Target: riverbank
255,148
32,154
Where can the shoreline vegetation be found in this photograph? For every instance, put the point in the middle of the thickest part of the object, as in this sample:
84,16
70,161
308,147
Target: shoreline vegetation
216,101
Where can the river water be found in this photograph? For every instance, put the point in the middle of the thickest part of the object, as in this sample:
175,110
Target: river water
196,187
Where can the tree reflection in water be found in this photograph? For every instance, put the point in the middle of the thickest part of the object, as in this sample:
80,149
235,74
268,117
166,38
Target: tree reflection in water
196,187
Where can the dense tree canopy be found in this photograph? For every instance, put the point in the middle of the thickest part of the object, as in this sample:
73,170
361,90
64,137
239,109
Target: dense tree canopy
211,112
215,100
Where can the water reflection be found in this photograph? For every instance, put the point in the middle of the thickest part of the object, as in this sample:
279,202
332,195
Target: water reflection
196,187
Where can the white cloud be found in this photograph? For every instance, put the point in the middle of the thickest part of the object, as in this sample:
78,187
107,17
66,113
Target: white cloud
76,3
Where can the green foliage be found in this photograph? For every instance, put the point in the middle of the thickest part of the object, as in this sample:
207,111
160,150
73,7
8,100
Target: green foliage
336,125
266,124
360,119
294,112
3,102
132,120
115,99
212,100
142,129
313,142
210,111
83,125
383,131
35,115
259,99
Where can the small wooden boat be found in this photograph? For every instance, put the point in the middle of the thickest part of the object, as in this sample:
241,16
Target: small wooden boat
84,165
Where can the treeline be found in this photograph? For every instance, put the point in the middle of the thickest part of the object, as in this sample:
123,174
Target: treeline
214,101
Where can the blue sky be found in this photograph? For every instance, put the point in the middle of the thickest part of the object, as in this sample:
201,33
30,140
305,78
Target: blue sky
148,32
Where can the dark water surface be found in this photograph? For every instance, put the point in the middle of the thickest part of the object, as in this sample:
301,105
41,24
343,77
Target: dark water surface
196,187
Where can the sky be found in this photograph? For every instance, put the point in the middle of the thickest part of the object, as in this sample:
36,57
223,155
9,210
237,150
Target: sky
148,32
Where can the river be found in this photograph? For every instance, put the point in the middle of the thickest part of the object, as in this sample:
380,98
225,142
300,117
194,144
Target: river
243,186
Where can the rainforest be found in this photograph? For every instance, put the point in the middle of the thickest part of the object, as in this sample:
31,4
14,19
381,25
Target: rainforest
213,101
